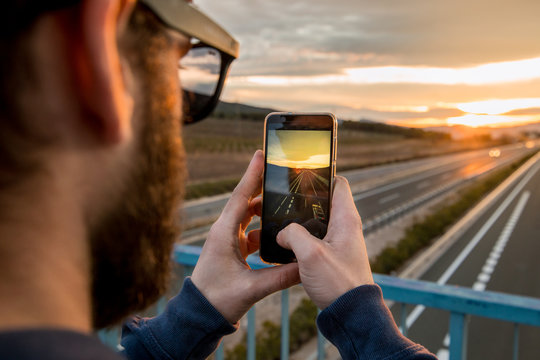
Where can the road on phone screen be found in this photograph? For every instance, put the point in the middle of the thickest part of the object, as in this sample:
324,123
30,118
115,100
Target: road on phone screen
385,190
498,252
305,189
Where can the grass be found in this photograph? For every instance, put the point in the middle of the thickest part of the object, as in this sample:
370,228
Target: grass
209,188
221,144
422,233
221,148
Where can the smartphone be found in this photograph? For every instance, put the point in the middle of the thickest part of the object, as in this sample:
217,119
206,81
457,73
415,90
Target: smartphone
299,169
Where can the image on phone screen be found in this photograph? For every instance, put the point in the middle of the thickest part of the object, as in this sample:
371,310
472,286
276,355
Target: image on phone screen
297,180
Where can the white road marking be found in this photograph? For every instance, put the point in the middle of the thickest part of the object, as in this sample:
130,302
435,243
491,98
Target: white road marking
418,310
389,198
396,184
479,286
423,184
487,269
491,261
483,277
446,341
443,354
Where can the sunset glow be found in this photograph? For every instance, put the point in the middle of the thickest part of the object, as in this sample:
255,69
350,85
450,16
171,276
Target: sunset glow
435,67
498,106
493,73
489,120
299,149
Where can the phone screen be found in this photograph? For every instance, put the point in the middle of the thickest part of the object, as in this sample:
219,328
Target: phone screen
297,183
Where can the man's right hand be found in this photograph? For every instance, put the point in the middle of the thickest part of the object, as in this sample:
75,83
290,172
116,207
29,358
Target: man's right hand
338,263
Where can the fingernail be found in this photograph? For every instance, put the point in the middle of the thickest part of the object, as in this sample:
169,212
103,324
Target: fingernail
255,155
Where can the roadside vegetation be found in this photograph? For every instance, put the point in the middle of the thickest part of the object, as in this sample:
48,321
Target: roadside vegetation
210,188
417,237
422,234
219,148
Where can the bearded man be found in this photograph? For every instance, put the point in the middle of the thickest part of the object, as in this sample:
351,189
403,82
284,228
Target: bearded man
92,172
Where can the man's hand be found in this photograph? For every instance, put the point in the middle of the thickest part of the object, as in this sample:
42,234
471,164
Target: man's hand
338,263
222,274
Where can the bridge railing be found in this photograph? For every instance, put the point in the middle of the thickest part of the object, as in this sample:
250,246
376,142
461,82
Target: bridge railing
458,301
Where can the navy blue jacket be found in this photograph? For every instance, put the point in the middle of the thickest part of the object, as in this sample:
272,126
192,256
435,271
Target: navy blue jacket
358,323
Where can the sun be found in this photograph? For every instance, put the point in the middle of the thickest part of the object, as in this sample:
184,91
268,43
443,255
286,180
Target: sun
475,120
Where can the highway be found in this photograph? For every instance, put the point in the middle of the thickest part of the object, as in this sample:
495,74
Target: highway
498,252
384,193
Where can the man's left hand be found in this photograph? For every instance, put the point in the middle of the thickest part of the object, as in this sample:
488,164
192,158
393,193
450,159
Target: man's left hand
222,273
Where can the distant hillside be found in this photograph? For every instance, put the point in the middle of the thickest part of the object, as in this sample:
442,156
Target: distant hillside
377,127
226,110
460,131
240,111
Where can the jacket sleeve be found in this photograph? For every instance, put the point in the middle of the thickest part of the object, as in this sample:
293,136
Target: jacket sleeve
360,325
189,328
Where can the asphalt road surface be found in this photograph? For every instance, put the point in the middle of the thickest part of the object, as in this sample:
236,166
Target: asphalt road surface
381,190
499,252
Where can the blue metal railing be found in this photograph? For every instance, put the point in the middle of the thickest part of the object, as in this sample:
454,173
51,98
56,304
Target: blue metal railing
460,302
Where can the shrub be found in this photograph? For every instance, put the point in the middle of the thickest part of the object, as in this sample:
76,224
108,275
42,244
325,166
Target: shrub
422,234
198,190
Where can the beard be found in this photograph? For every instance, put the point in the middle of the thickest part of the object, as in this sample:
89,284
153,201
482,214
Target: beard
132,244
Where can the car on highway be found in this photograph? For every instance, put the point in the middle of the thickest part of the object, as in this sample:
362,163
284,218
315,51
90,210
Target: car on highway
494,153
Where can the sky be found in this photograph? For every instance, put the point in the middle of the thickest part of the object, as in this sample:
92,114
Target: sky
299,149
407,62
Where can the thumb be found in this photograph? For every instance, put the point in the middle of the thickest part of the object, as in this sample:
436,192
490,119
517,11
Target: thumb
342,200
295,237
268,281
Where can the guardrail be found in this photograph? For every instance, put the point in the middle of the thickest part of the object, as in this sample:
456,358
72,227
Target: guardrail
460,302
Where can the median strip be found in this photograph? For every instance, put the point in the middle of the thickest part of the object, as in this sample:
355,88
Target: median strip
422,234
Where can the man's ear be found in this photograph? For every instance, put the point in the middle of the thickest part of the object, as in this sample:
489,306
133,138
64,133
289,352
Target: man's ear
101,84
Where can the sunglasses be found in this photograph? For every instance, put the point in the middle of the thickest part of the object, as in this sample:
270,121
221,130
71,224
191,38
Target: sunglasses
204,68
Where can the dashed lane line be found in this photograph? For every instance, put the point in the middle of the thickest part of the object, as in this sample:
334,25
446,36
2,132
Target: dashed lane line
388,198
423,184
491,262
418,310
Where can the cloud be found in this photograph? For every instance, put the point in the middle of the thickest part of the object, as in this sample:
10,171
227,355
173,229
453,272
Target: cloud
493,73
437,46
528,111
498,106
277,37
374,96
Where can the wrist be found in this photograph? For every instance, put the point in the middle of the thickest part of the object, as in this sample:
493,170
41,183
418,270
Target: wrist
216,300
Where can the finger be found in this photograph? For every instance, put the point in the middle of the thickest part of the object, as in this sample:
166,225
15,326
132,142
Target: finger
343,209
255,208
268,281
296,238
250,185
250,243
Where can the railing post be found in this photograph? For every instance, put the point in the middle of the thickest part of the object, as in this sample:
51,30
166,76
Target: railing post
188,270
403,319
220,352
110,337
516,342
321,353
285,324
251,334
458,336
161,305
